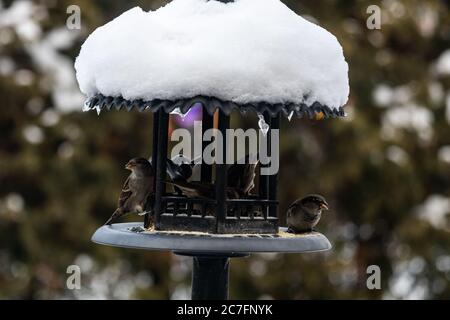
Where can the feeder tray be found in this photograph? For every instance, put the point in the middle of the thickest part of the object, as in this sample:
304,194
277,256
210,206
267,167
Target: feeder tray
130,235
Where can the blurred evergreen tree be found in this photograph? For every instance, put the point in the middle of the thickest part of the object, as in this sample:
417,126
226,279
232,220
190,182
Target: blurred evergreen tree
385,169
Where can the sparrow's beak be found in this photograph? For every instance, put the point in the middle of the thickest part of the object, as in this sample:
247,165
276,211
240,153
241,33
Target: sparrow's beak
129,166
324,205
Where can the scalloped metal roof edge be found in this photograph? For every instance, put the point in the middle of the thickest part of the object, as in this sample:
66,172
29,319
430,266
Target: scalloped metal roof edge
101,102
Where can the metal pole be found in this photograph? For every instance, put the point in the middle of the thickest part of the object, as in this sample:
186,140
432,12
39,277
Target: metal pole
264,180
161,166
221,175
207,123
273,179
147,219
210,278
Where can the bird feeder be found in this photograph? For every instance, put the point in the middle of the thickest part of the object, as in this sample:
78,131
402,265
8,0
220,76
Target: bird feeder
244,56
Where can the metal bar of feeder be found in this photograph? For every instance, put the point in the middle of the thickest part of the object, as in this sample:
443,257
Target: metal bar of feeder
273,179
221,175
161,166
263,179
207,123
154,157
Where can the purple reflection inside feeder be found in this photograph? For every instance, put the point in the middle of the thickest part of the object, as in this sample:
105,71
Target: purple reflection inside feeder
187,120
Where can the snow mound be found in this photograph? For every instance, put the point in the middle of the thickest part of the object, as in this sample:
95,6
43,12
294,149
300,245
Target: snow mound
247,51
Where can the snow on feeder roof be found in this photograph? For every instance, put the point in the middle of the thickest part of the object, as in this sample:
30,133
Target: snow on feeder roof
246,54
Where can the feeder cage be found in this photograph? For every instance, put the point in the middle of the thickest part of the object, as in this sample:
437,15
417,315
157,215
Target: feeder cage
256,214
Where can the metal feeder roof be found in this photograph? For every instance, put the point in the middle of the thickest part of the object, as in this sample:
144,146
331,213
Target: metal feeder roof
100,102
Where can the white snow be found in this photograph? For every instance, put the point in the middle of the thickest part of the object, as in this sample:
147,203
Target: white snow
443,63
385,96
444,154
246,51
435,210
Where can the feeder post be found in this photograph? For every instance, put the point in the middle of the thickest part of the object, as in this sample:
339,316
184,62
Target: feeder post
161,162
210,278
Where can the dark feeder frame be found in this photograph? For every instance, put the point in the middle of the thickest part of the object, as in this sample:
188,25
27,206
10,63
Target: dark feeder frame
173,212
234,230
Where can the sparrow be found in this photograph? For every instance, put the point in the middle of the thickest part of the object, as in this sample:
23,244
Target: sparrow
178,172
240,181
194,165
196,170
194,189
137,190
241,177
304,214
177,168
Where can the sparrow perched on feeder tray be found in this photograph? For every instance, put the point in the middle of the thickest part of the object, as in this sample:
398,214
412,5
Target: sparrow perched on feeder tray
304,214
137,190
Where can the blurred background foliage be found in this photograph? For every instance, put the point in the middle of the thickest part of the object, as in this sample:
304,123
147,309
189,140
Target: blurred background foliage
385,168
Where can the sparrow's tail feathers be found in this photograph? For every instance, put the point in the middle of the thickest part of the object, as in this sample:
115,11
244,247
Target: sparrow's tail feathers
117,214
109,222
